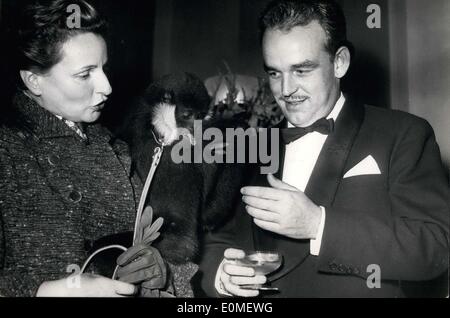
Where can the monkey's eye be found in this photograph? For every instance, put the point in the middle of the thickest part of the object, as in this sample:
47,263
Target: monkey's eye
187,114
201,115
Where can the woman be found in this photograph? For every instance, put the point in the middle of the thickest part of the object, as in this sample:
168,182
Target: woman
63,184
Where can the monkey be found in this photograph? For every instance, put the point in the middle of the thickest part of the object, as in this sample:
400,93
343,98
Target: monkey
192,198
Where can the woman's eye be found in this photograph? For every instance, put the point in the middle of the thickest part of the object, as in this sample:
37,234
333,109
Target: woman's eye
84,76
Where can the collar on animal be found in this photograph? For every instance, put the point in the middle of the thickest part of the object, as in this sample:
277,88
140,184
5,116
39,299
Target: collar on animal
159,141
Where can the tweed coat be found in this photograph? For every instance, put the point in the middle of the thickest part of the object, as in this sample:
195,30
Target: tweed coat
59,194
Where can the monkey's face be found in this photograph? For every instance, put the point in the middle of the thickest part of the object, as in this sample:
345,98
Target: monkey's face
177,100
174,118
186,115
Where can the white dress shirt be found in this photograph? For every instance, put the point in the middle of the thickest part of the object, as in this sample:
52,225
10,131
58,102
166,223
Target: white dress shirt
299,162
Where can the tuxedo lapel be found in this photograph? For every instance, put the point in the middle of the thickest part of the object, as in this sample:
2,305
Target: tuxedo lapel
281,149
329,169
324,180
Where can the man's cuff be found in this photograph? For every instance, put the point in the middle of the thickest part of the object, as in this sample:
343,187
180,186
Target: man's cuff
315,244
217,283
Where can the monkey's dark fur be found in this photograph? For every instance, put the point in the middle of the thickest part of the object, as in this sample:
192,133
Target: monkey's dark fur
192,198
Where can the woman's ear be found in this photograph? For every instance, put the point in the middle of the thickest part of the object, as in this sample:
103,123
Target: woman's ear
31,81
342,62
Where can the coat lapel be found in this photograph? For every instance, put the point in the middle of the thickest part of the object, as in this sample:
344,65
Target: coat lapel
324,180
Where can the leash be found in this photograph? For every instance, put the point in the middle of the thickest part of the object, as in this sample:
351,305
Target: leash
156,158
157,153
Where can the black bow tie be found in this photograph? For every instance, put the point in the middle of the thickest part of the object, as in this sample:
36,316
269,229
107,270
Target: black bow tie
323,126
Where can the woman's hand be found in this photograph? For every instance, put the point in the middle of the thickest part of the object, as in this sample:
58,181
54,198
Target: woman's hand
142,264
88,286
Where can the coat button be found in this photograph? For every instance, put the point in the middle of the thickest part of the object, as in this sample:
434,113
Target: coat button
75,196
53,160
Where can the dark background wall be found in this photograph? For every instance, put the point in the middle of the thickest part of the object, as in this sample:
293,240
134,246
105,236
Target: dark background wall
198,35
403,65
428,66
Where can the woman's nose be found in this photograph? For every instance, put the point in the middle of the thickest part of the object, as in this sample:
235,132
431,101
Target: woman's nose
103,85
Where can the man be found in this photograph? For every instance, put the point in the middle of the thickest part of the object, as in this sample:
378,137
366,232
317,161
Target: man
358,208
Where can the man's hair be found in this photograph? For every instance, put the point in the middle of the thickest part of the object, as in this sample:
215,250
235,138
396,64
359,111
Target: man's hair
286,14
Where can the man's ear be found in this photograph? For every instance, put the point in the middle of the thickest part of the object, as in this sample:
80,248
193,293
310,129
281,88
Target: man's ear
342,62
31,81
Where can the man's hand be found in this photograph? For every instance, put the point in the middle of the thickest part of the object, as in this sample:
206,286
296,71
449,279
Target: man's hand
89,286
282,209
142,264
230,277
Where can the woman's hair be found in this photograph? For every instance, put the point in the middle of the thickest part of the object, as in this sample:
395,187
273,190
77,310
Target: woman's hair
46,25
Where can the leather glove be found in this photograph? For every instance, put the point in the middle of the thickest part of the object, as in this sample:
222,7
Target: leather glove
147,232
142,264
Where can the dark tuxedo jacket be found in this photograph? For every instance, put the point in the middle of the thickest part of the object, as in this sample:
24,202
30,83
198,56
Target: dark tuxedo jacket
394,224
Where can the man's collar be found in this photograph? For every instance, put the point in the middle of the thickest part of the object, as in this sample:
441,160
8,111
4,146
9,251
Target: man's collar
337,108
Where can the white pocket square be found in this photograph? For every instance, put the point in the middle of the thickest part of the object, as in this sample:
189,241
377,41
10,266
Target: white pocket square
366,167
